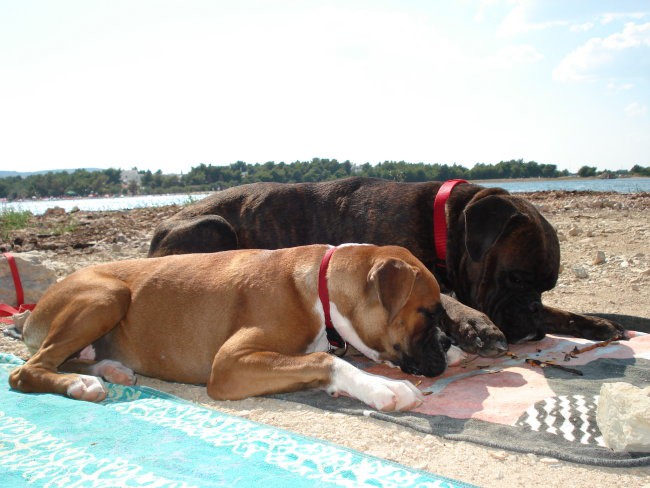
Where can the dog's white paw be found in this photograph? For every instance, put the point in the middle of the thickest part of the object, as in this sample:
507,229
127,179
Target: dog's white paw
114,372
88,388
390,395
378,392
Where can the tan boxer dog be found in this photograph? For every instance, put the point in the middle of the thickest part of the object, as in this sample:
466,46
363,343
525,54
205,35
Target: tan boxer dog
245,322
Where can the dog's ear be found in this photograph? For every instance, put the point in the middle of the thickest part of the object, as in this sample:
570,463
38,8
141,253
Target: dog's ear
487,220
392,280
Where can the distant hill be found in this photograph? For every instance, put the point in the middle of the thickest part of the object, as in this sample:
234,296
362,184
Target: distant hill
5,174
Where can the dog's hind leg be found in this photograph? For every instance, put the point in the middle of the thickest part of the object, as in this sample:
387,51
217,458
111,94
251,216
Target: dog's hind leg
70,316
111,371
206,233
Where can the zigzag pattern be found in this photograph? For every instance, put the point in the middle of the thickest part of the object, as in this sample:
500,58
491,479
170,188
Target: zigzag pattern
570,416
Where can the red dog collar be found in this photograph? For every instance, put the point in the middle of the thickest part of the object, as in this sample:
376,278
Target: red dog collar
440,220
333,337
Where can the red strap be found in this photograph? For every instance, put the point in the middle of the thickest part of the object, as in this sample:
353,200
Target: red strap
14,273
8,310
440,220
332,335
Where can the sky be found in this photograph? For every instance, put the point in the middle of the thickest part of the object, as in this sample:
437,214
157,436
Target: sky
169,85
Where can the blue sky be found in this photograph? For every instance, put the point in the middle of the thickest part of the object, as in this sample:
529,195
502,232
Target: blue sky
172,84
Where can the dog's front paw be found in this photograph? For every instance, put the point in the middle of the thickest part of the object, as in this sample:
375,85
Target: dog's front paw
471,330
480,336
391,395
599,329
88,388
378,392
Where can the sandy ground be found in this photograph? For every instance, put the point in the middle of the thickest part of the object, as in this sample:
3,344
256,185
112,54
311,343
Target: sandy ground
617,225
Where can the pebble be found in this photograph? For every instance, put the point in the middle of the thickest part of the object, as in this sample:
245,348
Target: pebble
580,272
549,460
575,231
599,258
500,455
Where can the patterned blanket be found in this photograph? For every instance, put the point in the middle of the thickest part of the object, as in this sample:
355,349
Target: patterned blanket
142,437
513,403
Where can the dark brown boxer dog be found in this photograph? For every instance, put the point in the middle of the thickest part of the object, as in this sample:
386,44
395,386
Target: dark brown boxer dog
501,254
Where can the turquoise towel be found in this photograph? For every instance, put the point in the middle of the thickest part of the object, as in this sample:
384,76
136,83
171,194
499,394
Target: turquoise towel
142,437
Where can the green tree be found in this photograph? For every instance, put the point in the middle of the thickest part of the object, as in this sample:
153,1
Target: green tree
587,171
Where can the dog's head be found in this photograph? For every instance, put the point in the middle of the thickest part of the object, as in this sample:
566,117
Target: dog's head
402,315
511,256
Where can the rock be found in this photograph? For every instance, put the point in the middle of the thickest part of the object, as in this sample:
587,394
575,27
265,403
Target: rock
35,278
580,272
54,212
575,231
561,237
500,455
549,460
599,258
623,417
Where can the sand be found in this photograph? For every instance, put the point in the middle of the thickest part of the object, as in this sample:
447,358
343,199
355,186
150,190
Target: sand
616,225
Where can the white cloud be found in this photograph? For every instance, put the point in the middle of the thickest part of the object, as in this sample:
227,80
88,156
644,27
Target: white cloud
636,110
619,86
512,55
581,27
597,54
518,22
614,16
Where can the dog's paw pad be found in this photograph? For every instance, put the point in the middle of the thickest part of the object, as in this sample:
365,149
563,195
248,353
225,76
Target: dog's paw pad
114,372
88,388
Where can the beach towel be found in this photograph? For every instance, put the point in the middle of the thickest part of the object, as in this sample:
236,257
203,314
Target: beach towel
142,437
512,403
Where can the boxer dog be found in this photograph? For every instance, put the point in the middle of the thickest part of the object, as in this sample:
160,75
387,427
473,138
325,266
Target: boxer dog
244,322
500,253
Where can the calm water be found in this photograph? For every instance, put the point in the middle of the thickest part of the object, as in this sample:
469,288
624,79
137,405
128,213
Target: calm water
622,185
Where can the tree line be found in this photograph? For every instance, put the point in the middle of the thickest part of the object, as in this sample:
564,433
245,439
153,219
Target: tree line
208,177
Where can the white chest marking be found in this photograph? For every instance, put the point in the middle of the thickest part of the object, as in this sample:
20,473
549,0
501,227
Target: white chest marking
344,327
320,342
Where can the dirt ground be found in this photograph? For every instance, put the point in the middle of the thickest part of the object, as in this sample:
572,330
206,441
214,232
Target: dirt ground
605,242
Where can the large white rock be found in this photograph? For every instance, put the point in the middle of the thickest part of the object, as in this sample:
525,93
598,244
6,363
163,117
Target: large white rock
34,276
623,417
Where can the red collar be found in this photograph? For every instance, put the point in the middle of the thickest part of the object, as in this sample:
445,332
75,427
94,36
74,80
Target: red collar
440,220
333,337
